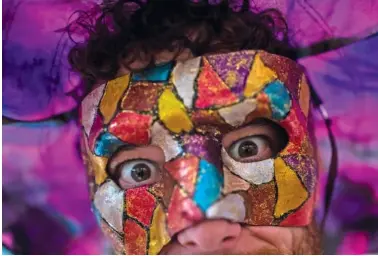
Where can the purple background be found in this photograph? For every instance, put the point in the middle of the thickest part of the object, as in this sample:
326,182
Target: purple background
45,198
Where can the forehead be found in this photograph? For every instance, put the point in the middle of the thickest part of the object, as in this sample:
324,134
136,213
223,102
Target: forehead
212,89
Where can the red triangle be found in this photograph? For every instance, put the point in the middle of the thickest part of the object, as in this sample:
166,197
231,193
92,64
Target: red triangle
212,91
302,216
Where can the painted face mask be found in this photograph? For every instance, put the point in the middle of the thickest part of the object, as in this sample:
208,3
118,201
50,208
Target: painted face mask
153,145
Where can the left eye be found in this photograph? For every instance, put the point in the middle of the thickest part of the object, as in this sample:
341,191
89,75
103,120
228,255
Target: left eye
136,173
253,148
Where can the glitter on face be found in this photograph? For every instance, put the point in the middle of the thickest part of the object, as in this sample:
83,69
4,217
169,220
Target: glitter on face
131,127
212,91
89,108
160,137
233,69
173,114
140,204
182,212
108,199
186,108
158,233
260,203
113,93
204,147
287,71
253,172
291,193
184,170
259,76
135,238
230,208
209,185
183,77
235,115
305,167
149,92
106,144
279,98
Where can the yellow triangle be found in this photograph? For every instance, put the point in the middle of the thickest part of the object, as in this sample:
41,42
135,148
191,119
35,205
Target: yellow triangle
259,76
173,114
291,193
158,233
113,93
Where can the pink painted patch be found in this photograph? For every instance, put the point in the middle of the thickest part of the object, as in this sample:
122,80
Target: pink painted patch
212,91
296,126
131,127
95,131
140,204
182,212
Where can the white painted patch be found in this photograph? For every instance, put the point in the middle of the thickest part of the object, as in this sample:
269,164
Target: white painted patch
231,208
184,75
89,107
109,201
235,115
160,137
254,172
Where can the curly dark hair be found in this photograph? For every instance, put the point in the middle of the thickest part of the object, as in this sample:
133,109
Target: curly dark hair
125,31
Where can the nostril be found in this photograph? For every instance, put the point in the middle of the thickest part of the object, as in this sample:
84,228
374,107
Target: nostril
190,244
228,239
185,215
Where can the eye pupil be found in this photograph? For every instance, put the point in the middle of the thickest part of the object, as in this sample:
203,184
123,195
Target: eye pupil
141,172
247,148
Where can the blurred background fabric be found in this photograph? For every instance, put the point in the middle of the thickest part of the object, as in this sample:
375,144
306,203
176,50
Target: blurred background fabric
46,208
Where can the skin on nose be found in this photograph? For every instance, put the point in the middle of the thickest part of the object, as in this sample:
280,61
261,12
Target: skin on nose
210,236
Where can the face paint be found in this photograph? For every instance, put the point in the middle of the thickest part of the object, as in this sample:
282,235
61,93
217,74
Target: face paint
183,110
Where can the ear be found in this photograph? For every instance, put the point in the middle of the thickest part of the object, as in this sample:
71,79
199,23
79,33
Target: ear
291,192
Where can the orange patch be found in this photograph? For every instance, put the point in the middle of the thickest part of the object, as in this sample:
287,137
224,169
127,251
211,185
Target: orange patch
261,200
135,238
184,170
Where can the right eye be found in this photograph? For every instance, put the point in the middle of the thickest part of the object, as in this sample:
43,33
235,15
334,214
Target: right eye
136,173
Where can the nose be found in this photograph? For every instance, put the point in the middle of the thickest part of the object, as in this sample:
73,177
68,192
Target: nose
210,236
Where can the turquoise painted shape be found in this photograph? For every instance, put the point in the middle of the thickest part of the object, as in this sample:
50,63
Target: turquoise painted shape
5,251
280,101
106,144
158,74
209,185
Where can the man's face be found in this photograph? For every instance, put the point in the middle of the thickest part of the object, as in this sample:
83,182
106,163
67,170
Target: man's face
203,156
